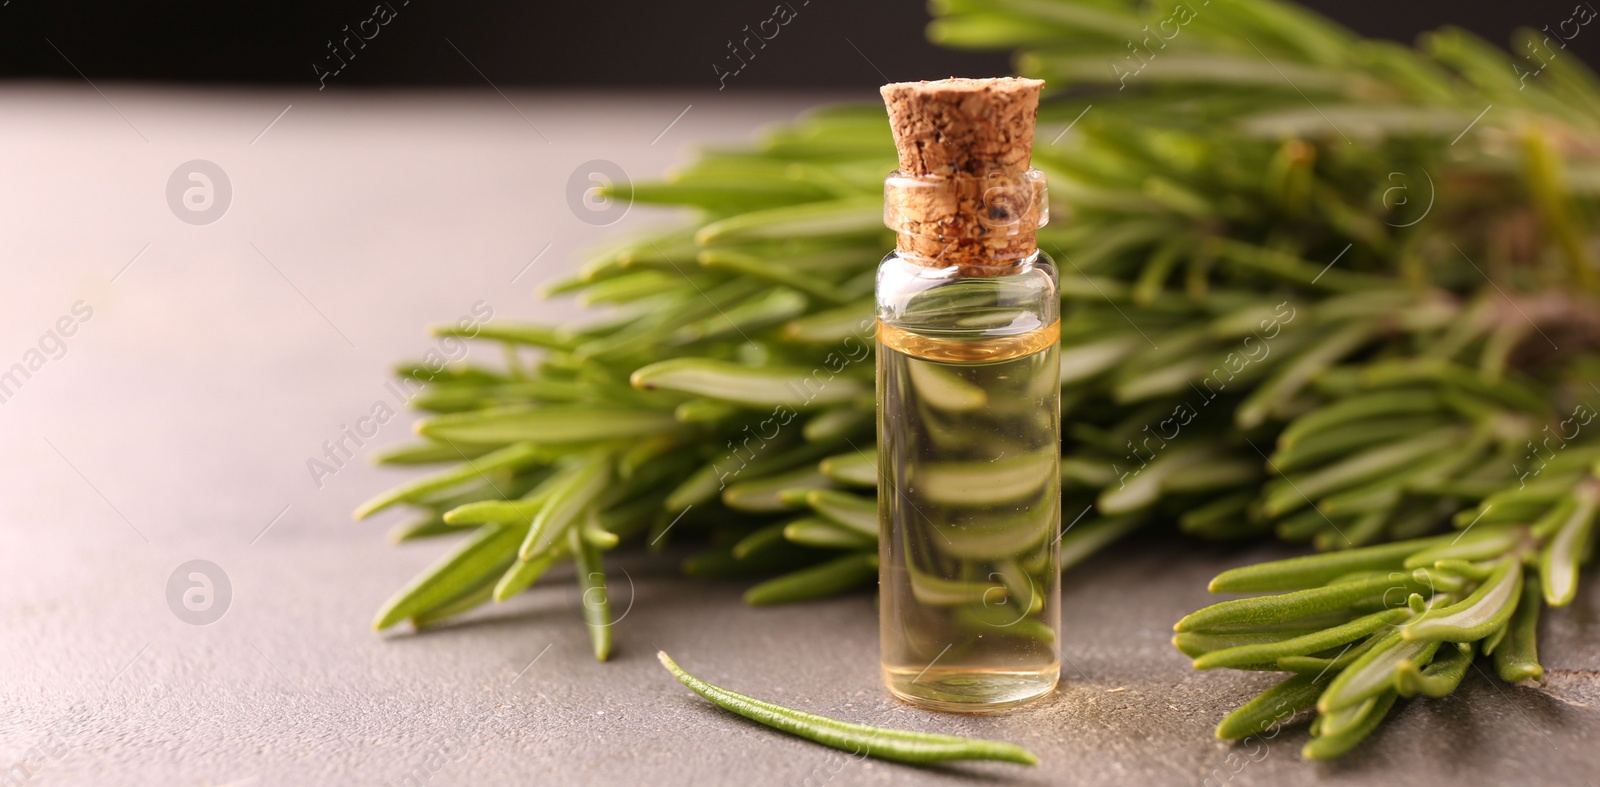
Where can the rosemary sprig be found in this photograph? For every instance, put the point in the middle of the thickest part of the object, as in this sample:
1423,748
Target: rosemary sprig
1438,602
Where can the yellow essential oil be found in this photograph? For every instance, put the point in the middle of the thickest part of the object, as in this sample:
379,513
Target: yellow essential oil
970,511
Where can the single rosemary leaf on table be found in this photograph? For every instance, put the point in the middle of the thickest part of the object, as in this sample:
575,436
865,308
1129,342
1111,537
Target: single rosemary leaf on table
858,739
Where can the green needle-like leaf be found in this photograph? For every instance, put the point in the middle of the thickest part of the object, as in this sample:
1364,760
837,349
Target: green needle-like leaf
509,457
482,556
827,579
1488,608
855,216
793,387
766,538
1516,658
578,488
1276,392
1364,466
472,598
546,425
1273,708
1489,542
1558,563
987,483
533,335
521,574
859,514
428,453
1291,606
1440,677
1302,645
1314,570
1328,747
1313,665
764,495
854,469
823,534
1374,673
858,739
592,583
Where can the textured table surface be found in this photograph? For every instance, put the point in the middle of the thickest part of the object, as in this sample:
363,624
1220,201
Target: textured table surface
176,421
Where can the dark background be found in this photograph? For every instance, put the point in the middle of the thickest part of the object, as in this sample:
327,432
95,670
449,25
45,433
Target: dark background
580,43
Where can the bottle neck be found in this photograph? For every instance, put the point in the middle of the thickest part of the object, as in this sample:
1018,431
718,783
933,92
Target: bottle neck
985,225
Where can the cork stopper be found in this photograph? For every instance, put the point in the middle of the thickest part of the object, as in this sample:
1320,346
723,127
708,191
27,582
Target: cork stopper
964,194
963,126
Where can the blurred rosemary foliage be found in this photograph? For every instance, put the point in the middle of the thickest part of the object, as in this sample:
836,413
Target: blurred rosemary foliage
1337,290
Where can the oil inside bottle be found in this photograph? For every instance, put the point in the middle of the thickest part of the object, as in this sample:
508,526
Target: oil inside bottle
970,513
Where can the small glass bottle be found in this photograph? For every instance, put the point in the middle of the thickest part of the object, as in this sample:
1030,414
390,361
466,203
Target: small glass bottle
969,434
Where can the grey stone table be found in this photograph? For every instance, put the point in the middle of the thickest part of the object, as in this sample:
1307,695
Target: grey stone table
188,361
